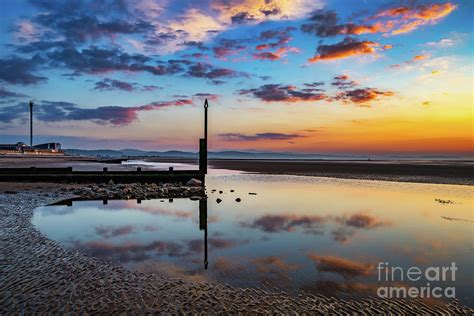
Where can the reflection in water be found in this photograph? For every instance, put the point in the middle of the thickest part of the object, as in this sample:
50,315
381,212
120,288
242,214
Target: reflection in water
203,226
298,233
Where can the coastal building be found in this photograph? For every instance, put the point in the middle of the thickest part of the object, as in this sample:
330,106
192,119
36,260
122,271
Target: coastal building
40,149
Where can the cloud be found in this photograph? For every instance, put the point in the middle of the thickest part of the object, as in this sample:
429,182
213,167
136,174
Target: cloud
362,95
111,84
4,93
279,54
325,23
255,11
397,20
283,93
209,96
345,267
17,70
343,82
108,84
227,47
196,24
405,19
408,63
453,40
208,71
95,60
346,48
55,111
259,136
281,223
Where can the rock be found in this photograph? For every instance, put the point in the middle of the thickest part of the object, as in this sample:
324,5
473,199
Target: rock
111,182
218,201
194,183
231,190
220,192
252,193
238,200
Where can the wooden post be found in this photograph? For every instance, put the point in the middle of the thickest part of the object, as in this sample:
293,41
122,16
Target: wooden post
202,156
203,144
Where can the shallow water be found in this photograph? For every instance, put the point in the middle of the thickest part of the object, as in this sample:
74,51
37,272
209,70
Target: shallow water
298,233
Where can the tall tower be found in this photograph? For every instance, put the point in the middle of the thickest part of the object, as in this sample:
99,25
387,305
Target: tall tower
31,123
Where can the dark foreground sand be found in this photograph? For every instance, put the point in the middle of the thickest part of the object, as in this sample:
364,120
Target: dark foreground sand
38,276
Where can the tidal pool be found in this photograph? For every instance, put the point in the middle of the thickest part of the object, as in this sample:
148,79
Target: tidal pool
296,234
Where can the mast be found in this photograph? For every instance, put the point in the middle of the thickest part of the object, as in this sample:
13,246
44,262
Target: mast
31,123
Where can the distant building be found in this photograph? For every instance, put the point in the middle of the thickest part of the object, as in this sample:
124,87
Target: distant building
22,148
12,148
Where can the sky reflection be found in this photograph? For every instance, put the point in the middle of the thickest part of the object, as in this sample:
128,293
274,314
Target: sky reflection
298,233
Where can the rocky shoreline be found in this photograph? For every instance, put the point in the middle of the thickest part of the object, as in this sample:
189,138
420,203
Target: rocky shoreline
139,191
37,275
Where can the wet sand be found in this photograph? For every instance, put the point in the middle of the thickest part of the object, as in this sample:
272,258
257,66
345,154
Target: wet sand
37,275
441,172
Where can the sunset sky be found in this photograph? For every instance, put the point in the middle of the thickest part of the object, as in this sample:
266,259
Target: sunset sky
312,76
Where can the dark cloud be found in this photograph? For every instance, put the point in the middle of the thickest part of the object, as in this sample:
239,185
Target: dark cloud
11,113
82,28
111,84
17,70
325,24
195,44
54,111
274,38
347,47
79,21
242,18
4,93
258,136
343,82
283,93
208,71
267,56
95,60
281,223
108,84
274,11
362,95
227,47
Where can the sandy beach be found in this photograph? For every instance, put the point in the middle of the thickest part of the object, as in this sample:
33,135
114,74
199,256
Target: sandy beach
37,275
440,172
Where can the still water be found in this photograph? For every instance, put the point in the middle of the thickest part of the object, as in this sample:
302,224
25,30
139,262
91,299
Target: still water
296,234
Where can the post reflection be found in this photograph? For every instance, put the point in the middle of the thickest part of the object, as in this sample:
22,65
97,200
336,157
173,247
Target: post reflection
203,226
